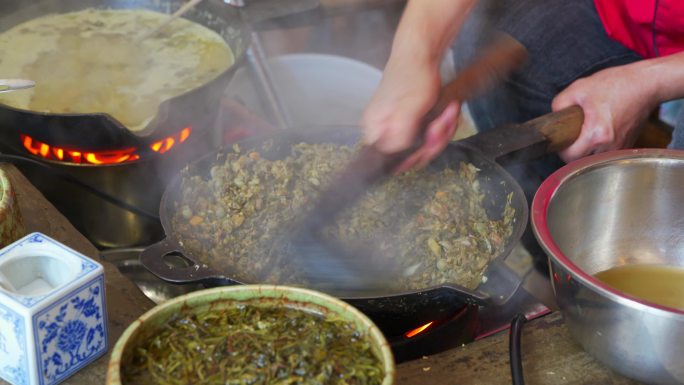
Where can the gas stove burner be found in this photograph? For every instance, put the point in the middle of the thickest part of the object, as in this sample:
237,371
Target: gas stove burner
71,155
436,336
135,172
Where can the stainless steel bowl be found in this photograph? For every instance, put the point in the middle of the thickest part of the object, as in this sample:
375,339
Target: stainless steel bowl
617,208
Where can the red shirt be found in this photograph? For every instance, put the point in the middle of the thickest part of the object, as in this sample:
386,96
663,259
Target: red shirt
637,24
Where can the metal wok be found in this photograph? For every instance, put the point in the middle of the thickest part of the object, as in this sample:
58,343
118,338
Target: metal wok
99,131
394,312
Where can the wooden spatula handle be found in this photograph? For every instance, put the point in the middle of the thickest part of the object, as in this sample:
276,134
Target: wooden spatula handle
560,128
494,64
548,133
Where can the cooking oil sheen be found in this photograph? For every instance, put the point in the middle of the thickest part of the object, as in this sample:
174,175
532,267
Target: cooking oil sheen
661,284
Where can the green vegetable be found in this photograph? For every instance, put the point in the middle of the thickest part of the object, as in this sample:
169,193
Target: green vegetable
249,344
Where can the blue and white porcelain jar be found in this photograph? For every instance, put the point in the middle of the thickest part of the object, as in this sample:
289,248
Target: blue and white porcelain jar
53,320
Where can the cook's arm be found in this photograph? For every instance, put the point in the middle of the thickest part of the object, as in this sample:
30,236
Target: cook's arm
411,81
616,101
668,74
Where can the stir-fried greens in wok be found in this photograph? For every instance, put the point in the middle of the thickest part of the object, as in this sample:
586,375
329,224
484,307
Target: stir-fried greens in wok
432,221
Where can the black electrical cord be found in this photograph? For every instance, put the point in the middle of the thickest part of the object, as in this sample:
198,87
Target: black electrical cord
93,190
514,349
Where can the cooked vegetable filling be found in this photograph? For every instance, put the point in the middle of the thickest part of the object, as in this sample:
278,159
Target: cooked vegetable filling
432,222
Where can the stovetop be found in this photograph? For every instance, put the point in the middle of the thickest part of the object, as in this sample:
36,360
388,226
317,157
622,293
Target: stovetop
486,321
533,297
530,294
527,291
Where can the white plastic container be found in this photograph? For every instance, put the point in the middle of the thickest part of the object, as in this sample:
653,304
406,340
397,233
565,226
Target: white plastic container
53,320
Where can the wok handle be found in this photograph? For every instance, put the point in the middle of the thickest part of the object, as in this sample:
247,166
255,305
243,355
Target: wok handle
560,128
521,142
154,256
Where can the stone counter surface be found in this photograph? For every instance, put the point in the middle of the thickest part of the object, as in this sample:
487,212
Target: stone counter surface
549,355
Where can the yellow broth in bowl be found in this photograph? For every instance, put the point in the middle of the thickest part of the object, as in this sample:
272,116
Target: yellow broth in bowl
660,284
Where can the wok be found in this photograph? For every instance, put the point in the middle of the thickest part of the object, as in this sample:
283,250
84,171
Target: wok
99,131
394,312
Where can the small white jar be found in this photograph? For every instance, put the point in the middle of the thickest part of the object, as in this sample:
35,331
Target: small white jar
53,320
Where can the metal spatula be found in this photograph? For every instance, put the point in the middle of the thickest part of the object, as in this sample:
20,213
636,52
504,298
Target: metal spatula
330,265
9,85
179,13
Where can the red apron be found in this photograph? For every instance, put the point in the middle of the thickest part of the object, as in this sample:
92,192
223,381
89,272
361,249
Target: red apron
638,24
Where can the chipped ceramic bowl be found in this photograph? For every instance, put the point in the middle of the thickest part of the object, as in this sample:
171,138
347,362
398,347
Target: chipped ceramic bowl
11,224
53,320
304,299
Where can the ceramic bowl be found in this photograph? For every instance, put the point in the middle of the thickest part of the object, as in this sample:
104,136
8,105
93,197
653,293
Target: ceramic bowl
268,294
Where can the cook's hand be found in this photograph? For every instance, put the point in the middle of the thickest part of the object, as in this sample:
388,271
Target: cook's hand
392,119
615,102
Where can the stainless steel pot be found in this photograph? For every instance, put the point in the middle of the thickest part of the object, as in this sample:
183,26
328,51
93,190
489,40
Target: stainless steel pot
617,208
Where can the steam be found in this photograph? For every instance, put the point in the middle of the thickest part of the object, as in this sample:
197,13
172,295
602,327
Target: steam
357,32
323,30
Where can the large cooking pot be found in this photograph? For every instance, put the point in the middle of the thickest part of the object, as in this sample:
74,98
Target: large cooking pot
99,131
603,211
394,312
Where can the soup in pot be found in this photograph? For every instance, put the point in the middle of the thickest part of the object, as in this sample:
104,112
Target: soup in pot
91,61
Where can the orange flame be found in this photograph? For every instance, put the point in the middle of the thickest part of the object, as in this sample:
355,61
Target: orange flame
418,330
59,153
44,150
167,143
28,145
111,157
184,134
163,145
119,156
76,156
